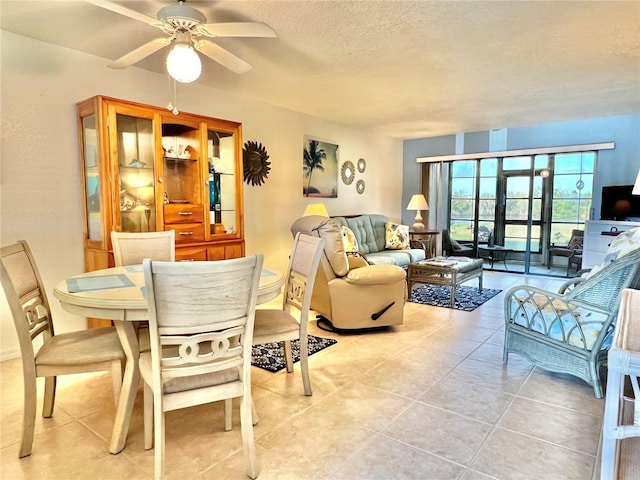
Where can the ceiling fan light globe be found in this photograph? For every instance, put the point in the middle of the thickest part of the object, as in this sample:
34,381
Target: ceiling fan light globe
183,63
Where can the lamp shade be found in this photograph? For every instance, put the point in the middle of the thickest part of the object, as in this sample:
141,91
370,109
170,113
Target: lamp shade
418,202
183,63
636,187
316,209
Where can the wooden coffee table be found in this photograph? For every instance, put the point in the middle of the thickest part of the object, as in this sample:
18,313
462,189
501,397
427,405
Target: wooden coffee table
450,272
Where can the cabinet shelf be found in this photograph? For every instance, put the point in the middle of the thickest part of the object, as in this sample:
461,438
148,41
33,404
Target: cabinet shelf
179,160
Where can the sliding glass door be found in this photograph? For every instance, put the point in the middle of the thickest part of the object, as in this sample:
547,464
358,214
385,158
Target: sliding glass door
522,221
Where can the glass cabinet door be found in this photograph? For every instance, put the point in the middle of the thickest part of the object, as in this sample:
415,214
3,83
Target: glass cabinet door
92,178
221,157
136,179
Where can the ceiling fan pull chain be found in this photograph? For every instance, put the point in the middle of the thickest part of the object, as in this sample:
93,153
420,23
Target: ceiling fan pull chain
169,105
175,99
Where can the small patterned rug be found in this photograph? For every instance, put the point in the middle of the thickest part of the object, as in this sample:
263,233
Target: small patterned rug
467,298
270,356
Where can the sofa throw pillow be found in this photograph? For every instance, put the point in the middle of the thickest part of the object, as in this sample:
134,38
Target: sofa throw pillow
396,236
349,240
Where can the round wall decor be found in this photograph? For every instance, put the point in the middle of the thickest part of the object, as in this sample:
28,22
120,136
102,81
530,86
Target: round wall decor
362,165
360,186
348,172
256,166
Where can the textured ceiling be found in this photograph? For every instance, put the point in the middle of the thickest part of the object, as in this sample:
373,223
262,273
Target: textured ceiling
407,68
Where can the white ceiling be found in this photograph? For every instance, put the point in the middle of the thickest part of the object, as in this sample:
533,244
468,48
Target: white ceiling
408,68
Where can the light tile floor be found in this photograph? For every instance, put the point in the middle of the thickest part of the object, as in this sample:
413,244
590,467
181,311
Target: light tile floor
429,399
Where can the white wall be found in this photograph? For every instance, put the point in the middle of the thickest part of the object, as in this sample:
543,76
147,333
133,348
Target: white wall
39,166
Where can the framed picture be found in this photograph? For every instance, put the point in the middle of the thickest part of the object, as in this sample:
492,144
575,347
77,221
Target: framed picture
319,168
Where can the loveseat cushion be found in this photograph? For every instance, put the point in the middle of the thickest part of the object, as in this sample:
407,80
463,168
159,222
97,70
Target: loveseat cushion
401,258
362,230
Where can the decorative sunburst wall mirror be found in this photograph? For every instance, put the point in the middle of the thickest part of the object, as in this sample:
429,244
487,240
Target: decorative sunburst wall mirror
347,172
362,165
256,166
360,186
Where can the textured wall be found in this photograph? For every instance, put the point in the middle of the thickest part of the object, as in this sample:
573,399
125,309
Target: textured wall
40,192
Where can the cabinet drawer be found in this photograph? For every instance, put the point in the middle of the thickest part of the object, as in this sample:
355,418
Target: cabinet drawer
183,213
187,232
224,252
190,254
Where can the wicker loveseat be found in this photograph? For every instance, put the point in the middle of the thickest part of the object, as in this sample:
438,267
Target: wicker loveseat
570,333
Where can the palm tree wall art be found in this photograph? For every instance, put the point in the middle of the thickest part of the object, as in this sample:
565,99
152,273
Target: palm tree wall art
320,169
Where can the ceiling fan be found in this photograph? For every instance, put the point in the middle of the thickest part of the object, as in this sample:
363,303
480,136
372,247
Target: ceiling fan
185,26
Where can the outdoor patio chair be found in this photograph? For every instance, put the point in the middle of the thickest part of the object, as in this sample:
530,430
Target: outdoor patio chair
572,251
451,247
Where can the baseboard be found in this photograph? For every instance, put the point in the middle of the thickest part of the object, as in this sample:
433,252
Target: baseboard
9,355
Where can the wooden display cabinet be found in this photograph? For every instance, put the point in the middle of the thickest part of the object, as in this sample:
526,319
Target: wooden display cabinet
145,169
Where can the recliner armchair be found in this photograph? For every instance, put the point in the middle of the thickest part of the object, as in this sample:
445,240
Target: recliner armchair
347,291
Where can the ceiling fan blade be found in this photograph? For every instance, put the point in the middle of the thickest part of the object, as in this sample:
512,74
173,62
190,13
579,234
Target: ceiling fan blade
222,56
237,29
141,52
127,12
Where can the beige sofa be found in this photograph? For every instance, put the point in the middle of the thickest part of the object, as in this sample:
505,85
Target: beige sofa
348,292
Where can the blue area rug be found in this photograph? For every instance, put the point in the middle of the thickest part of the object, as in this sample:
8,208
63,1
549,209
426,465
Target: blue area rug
270,356
467,298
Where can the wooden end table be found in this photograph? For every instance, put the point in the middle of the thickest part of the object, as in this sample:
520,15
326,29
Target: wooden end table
448,272
427,238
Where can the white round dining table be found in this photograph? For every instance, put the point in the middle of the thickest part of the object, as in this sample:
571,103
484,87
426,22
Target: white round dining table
118,294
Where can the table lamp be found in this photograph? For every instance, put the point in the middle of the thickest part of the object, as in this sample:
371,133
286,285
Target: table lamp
316,209
418,203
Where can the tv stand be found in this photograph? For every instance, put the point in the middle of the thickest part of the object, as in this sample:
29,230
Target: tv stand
598,235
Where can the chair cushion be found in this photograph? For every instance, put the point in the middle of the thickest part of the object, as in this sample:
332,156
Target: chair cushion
83,347
396,236
557,319
376,275
349,239
576,243
183,384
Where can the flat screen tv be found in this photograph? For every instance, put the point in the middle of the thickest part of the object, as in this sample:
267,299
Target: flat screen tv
619,204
